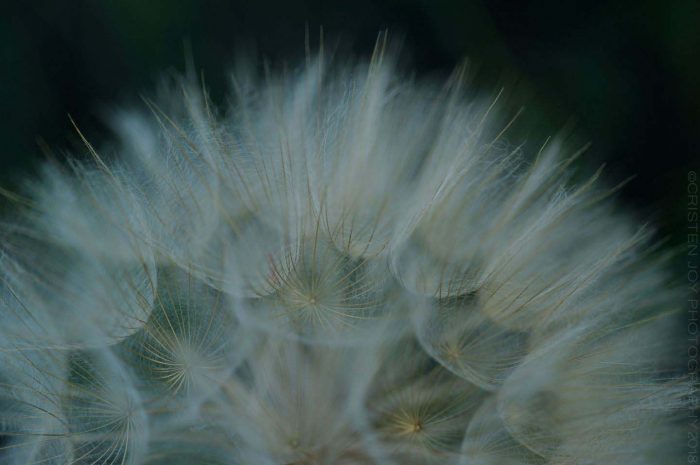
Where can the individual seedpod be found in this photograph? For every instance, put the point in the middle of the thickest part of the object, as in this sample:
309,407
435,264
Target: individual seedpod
294,403
315,293
174,164
487,442
456,333
417,411
32,424
92,208
76,299
571,262
191,344
105,415
588,394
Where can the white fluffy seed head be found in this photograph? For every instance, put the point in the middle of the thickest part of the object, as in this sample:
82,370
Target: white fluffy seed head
343,267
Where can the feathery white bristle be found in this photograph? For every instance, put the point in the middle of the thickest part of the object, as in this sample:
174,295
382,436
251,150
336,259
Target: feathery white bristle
344,267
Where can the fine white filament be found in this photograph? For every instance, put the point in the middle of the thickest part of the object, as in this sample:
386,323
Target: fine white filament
343,267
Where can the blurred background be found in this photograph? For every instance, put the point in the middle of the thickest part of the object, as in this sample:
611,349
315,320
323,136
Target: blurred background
625,73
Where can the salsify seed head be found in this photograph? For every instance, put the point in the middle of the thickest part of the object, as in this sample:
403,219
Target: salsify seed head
343,267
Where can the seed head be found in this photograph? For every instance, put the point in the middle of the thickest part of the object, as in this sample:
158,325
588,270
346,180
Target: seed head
343,267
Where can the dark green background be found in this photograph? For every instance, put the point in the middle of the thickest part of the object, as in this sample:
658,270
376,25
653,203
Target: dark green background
626,72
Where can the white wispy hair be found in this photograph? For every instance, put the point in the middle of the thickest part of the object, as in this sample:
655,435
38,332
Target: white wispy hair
347,267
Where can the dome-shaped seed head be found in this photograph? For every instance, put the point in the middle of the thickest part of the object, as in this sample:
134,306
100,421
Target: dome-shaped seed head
343,266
